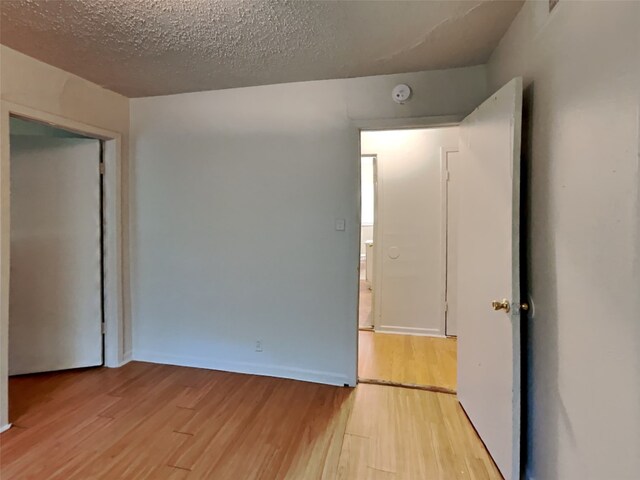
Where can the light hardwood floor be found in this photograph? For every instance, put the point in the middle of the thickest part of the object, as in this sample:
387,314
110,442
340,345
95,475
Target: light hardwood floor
408,359
146,421
364,312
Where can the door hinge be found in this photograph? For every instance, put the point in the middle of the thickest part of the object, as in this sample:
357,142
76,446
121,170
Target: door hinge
446,307
448,176
101,168
103,328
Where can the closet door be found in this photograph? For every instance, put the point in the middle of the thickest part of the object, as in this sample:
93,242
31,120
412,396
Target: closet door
55,307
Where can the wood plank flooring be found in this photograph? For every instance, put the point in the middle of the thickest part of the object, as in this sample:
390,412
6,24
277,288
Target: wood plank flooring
146,421
408,359
398,433
364,310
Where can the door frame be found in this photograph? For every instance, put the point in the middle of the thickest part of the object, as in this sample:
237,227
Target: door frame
114,355
444,199
376,268
359,126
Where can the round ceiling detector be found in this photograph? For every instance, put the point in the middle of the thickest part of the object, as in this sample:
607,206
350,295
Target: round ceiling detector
401,93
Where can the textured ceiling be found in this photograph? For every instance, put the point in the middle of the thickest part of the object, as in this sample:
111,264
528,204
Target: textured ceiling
156,47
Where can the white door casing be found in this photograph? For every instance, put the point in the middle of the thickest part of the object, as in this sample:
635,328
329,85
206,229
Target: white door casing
489,355
453,167
55,292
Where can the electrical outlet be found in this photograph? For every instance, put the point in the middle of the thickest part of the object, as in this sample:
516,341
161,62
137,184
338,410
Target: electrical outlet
258,345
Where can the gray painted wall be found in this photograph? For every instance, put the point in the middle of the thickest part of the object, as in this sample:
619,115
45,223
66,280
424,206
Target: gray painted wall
581,66
18,126
234,198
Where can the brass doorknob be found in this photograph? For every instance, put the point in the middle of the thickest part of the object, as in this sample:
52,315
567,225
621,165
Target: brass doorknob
501,305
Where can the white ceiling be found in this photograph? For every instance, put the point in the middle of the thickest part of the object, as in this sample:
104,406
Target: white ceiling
157,47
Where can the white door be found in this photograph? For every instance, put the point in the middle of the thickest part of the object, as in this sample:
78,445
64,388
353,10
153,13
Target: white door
489,270
55,285
454,176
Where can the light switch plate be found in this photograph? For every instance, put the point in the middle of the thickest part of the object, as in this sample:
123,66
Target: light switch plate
341,224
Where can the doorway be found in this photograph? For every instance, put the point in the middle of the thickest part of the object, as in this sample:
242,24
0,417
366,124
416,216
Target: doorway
404,256
117,350
484,268
56,303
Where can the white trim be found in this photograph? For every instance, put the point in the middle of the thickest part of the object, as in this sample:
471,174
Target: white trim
113,291
5,240
409,122
444,234
5,428
280,371
126,358
398,330
378,228
442,314
375,225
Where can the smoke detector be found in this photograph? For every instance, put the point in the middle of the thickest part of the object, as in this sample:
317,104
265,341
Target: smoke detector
401,93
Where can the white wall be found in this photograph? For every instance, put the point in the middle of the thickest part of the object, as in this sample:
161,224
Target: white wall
410,289
581,68
234,198
31,84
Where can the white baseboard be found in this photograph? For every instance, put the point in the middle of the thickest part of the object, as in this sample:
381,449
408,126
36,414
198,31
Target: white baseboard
315,376
425,332
5,428
126,358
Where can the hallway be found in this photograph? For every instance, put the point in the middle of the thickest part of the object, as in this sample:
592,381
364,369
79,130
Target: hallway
408,359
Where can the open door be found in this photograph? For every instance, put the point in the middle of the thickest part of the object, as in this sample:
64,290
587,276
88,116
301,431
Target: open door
489,275
55,306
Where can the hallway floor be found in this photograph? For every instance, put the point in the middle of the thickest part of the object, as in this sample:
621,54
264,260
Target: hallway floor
364,311
408,359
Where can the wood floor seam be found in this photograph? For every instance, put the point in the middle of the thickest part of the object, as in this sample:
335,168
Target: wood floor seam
356,435
382,470
105,416
427,388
